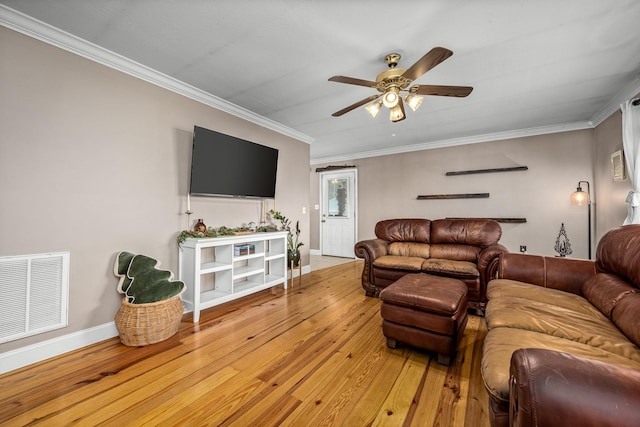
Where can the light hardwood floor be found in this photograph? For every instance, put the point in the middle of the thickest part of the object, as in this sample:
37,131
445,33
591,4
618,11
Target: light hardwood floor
313,355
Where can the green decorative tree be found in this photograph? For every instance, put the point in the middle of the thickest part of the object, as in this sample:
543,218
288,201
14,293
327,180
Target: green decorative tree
142,282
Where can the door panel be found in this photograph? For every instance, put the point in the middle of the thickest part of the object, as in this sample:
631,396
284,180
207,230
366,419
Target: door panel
338,213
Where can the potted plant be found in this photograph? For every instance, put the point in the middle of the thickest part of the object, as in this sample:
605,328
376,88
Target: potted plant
151,308
293,245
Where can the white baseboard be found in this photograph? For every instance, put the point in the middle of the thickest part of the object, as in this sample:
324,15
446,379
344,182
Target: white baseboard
315,252
305,270
24,356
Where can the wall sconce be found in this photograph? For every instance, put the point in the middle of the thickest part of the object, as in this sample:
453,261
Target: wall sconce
581,198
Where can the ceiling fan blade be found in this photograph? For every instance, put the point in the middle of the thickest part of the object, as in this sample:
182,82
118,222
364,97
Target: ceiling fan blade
459,91
352,81
356,105
427,62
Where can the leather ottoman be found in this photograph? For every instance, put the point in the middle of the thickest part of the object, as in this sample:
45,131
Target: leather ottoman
425,311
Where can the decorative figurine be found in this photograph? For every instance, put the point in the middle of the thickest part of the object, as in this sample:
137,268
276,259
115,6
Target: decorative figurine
563,247
200,227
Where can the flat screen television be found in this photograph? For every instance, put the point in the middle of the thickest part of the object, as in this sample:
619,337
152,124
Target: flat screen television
226,166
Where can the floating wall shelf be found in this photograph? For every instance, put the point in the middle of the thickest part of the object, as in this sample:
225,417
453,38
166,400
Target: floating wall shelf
333,168
504,220
469,172
454,196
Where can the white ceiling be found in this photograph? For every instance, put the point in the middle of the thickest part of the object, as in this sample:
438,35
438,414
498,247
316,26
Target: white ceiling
536,66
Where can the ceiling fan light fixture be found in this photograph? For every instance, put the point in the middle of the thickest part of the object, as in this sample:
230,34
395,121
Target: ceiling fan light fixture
394,85
413,101
374,108
396,113
391,97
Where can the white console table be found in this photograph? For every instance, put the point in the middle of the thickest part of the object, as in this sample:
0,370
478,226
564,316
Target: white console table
221,269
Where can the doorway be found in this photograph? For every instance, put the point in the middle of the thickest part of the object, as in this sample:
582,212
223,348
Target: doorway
338,213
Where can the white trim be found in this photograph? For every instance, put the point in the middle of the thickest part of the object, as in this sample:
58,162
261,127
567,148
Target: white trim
23,356
630,90
305,270
315,252
511,134
39,30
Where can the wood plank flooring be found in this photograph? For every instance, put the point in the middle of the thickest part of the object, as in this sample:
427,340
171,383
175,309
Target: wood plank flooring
311,355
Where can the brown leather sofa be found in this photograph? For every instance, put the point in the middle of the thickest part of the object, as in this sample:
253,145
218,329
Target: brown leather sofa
563,338
464,249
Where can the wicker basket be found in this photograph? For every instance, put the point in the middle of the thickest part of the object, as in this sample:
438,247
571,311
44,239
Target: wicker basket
142,324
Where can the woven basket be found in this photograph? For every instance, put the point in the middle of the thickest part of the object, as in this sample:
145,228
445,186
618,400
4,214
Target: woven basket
142,324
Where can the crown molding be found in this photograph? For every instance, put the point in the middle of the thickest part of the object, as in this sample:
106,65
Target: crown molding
19,22
629,91
520,133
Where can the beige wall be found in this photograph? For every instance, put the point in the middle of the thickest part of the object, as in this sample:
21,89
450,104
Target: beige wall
611,209
389,185
93,161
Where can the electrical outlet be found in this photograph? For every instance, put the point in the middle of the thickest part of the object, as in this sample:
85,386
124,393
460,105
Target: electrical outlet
523,248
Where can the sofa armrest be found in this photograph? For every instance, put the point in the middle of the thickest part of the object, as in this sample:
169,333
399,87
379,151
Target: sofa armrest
488,262
370,250
550,388
565,274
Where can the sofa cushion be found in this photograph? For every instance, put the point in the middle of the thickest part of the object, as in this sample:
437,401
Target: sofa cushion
501,288
605,290
404,230
467,231
457,269
500,344
455,252
593,329
627,317
420,250
392,262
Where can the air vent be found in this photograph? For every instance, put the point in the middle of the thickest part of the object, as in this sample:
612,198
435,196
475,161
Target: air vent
34,292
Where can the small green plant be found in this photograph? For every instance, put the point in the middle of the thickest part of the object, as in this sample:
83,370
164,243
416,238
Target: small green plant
293,245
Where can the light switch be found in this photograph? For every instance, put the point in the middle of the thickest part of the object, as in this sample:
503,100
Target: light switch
304,210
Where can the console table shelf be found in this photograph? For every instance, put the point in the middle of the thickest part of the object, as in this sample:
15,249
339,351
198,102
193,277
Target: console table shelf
214,274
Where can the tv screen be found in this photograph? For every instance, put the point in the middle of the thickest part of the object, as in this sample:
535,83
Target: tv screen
222,165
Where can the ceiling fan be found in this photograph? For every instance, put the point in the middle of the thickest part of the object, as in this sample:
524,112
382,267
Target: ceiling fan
392,82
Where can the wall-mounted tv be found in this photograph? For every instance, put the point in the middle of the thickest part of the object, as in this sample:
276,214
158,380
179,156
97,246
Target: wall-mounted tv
226,166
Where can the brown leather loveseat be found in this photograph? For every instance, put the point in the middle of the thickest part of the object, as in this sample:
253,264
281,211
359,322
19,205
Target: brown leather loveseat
464,249
563,338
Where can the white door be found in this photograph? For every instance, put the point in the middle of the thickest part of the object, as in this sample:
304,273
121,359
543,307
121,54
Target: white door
338,213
